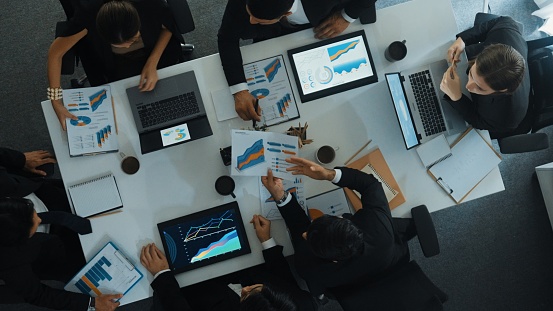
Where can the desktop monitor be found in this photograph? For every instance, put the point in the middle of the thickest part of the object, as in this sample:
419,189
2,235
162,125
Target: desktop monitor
204,238
332,66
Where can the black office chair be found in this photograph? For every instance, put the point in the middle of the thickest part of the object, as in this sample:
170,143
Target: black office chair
406,287
540,111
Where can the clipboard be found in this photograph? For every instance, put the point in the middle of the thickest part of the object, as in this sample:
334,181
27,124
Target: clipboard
377,161
472,159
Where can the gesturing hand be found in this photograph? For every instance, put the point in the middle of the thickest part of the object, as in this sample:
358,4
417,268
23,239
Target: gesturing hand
33,159
153,259
451,86
334,25
273,184
310,169
244,104
455,50
107,302
262,227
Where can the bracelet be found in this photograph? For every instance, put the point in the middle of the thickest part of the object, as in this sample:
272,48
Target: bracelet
54,93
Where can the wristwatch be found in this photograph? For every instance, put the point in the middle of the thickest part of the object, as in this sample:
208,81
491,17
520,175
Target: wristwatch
284,197
92,304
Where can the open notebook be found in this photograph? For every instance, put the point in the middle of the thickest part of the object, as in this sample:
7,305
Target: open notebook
389,191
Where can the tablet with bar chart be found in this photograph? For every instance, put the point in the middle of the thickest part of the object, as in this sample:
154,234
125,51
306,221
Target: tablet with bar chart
108,272
203,238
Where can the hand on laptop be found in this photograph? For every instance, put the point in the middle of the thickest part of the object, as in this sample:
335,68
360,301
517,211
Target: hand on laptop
244,104
148,78
262,227
451,84
153,259
334,25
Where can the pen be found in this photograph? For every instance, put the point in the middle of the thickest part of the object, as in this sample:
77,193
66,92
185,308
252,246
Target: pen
453,67
255,108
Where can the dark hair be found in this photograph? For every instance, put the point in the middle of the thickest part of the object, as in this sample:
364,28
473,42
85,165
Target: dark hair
334,238
117,21
16,221
501,66
269,9
268,299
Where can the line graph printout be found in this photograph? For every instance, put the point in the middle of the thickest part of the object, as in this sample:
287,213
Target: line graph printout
253,152
269,209
203,238
268,82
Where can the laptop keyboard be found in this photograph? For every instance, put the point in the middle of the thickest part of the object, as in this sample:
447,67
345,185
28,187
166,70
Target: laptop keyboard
168,109
427,102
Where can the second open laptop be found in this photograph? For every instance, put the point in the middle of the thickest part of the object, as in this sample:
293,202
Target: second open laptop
420,107
172,113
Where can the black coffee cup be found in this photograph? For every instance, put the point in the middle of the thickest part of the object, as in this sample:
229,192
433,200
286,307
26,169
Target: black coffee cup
397,50
325,154
129,164
225,186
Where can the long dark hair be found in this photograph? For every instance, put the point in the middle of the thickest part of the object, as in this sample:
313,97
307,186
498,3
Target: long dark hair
268,299
501,66
16,221
117,21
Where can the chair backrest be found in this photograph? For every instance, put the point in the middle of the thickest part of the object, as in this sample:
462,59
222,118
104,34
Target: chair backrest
183,15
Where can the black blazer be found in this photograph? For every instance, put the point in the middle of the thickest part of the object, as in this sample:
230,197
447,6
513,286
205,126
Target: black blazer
383,249
275,271
20,269
12,183
236,25
498,113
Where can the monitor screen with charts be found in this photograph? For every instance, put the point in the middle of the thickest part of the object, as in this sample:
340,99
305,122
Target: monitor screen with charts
331,66
203,238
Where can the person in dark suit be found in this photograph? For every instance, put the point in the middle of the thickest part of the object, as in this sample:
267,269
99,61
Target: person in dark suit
498,79
264,19
115,39
332,251
29,256
271,286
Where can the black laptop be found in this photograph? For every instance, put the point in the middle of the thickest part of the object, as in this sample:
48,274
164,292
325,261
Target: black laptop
171,114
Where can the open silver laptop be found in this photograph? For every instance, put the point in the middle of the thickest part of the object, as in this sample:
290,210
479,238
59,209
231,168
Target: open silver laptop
172,113
419,105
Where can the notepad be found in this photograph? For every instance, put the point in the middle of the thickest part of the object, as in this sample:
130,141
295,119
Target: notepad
389,191
108,272
95,196
434,151
472,159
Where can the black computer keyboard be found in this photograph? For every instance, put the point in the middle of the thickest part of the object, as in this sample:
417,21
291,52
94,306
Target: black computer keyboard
168,109
427,102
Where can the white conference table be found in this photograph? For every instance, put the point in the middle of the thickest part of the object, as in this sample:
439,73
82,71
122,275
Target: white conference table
180,180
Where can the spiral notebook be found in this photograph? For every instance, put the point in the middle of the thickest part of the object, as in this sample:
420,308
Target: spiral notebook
95,196
389,191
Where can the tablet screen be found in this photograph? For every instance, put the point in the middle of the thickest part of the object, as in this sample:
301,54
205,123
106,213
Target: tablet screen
204,238
332,66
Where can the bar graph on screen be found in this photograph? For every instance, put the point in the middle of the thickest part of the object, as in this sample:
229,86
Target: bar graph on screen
109,272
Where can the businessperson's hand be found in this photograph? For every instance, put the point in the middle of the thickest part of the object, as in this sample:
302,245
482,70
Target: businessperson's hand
262,227
153,259
310,169
107,302
148,77
34,159
273,184
332,26
455,50
62,113
451,84
244,104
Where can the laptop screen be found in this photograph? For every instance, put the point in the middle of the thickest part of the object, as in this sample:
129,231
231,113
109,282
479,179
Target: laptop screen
331,66
402,110
203,238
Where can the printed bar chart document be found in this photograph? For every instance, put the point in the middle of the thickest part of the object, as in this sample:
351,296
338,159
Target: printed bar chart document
94,131
109,272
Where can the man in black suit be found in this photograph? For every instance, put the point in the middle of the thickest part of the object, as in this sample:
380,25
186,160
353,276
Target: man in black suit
333,251
264,19
271,285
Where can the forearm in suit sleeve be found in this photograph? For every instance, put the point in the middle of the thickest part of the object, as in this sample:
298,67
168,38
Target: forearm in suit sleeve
354,8
372,194
278,266
228,40
295,218
11,159
476,36
167,289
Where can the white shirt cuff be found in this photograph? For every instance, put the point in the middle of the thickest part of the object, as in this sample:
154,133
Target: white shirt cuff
288,199
160,272
346,17
338,176
238,87
268,244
